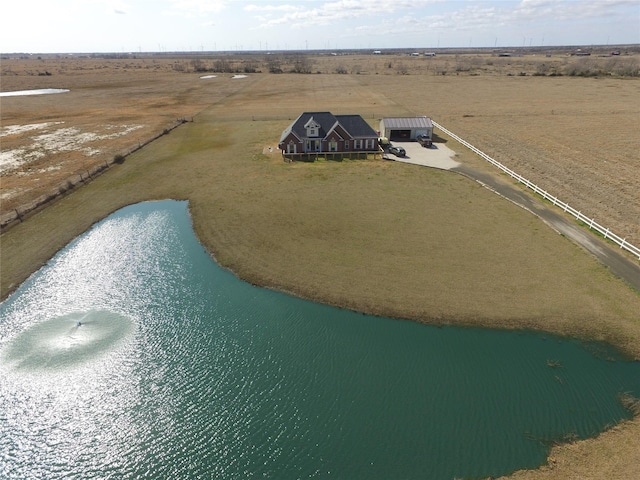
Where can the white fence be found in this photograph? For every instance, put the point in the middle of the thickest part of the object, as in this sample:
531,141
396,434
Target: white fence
589,222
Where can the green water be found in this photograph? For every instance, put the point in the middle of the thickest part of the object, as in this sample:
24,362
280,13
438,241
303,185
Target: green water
131,354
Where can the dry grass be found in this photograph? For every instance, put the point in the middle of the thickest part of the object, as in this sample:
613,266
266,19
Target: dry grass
613,455
379,237
576,138
80,127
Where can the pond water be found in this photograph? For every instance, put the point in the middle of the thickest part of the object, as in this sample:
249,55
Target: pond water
40,91
131,354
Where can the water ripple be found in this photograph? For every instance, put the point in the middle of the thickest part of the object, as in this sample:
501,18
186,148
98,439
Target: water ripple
179,370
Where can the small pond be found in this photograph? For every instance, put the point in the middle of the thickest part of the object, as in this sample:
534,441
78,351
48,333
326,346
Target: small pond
40,91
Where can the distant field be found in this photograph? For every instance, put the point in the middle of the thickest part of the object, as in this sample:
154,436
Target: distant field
380,237
574,136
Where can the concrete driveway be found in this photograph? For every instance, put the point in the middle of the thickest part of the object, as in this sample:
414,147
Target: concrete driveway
437,156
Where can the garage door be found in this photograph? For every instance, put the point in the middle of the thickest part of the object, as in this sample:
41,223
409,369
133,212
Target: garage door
399,135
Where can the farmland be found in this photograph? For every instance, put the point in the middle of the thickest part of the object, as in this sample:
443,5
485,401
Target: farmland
306,228
573,135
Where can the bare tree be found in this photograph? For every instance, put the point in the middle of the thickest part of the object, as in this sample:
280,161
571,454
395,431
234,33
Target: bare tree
250,66
402,69
302,64
274,64
222,65
198,65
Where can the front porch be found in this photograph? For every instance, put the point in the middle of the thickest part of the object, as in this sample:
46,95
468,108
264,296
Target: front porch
333,156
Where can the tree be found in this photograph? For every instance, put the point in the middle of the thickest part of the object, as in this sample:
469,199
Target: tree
302,64
274,64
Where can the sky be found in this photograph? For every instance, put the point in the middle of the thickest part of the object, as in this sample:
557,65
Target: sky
132,26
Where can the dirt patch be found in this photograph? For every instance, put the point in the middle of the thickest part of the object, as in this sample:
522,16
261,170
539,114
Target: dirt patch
113,107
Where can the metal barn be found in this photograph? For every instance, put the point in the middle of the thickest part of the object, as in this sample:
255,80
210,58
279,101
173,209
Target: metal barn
405,128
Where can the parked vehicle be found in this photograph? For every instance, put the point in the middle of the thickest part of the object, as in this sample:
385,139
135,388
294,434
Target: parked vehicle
424,140
384,143
397,151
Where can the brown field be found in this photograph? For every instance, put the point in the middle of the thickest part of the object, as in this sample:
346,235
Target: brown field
445,250
574,136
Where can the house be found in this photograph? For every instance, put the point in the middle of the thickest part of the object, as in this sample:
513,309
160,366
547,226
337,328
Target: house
405,128
315,133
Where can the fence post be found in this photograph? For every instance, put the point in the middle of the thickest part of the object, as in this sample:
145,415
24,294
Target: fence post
555,200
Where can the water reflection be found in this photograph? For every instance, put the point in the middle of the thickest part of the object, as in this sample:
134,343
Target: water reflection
66,341
39,91
195,373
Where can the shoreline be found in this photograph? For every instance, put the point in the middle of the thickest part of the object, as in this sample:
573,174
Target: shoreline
630,351
562,457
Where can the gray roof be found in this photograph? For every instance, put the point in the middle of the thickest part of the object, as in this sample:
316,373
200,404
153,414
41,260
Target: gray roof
407,122
354,124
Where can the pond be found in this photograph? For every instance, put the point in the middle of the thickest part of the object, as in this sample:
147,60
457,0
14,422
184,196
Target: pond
132,354
40,91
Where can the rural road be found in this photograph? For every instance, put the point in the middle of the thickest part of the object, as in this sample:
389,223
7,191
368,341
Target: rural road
618,263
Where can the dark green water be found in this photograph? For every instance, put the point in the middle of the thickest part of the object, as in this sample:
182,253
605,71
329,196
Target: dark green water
133,355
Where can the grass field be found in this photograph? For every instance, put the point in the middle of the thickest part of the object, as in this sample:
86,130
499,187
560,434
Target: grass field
379,237
575,136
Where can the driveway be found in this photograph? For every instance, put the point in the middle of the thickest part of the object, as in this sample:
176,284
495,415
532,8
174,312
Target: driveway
437,156
440,156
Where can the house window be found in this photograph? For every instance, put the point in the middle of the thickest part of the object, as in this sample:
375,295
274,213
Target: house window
369,144
357,144
346,144
291,147
333,146
312,132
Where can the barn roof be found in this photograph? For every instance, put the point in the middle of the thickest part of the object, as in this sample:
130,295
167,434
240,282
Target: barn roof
407,122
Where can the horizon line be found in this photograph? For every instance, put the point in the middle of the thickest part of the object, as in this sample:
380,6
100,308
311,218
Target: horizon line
327,50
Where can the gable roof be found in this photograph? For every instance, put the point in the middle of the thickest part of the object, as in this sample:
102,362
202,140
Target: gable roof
356,126
353,124
407,122
311,123
286,132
